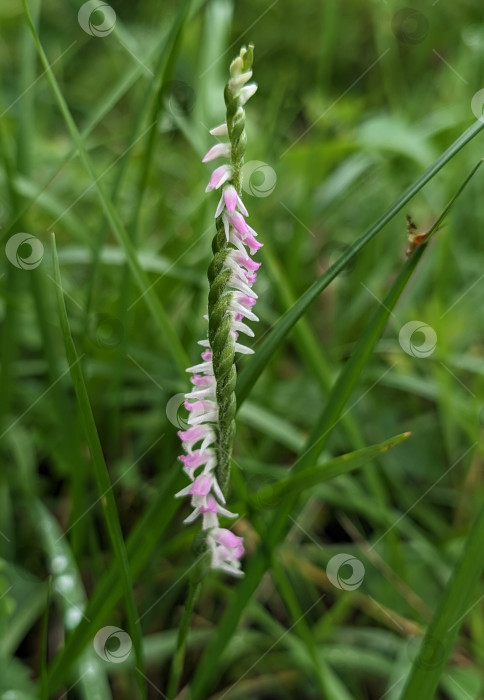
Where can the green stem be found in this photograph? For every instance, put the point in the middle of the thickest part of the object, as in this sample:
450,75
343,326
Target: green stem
220,336
177,663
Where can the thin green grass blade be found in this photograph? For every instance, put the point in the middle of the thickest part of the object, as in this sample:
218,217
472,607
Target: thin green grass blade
276,529
306,341
349,376
339,394
271,496
159,314
347,379
141,544
40,195
142,541
103,108
313,357
100,469
330,687
267,348
458,599
69,591
154,97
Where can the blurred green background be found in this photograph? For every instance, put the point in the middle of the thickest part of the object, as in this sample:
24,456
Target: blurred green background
355,100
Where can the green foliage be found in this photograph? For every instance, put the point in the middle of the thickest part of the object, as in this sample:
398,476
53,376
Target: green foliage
362,115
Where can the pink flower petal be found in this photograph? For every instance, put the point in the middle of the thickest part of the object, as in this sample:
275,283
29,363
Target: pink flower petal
230,197
246,262
246,300
192,434
219,176
202,485
220,150
252,244
196,459
235,544
202,381
239,223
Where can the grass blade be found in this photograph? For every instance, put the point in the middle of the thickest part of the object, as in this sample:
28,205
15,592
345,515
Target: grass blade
159,314
141,543
330,415
442,633
99,465
275,533
71,597
271,496
267,348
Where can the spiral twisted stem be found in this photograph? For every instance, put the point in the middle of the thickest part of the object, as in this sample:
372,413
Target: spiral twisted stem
220,322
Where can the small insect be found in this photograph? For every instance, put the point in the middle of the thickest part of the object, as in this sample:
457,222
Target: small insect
415,237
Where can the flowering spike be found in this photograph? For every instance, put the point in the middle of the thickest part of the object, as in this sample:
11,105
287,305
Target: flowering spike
232,272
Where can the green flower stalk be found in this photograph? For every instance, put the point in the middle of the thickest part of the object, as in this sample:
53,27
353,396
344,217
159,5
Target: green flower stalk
231,275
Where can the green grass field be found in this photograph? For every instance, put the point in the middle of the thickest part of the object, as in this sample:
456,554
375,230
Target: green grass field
357,467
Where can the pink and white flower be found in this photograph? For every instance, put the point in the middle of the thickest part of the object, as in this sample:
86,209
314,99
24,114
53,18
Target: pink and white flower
227,550
199,441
